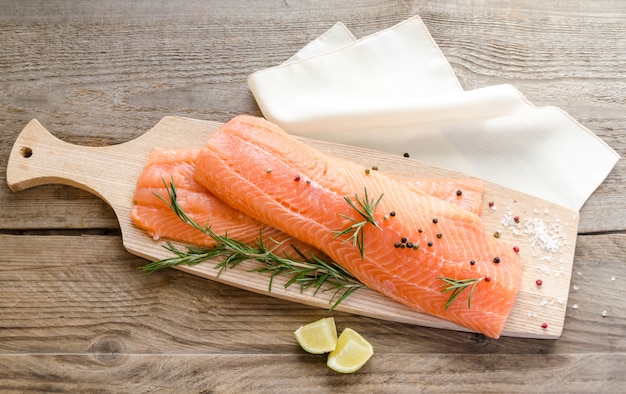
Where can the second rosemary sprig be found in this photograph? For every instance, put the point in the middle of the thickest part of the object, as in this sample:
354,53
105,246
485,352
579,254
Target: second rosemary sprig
456,287
308,272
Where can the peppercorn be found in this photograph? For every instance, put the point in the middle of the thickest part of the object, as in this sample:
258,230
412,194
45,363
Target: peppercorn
430,243
472,262
296,178
439,235
403,240
539,282
516,249
392,213
406,154
496,260
435,220
459,192
409,245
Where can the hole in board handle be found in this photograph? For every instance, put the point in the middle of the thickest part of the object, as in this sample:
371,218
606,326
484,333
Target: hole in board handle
26,152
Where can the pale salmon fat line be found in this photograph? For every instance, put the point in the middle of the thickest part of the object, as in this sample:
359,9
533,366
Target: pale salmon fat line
254,166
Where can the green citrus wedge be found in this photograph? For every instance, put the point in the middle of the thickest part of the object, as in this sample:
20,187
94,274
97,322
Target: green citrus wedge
351,353
318,337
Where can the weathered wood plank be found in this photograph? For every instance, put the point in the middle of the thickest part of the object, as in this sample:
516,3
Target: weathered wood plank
61,68
109,372
64,294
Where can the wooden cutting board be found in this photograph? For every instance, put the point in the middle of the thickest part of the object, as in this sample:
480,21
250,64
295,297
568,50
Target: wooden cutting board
545,233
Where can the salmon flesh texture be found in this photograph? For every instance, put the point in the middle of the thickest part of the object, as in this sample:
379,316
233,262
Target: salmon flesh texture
151,213
258,169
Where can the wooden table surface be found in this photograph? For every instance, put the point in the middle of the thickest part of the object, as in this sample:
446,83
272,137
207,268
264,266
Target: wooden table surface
76,315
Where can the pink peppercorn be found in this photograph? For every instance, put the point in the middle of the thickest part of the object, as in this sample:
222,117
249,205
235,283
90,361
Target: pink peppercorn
516,249
544,325
487,279
539,282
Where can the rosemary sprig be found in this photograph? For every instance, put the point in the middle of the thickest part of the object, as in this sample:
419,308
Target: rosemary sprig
457,286
365,208
308,272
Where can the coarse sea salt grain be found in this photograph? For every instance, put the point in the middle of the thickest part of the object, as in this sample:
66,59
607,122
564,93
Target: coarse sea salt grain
547,236
541,232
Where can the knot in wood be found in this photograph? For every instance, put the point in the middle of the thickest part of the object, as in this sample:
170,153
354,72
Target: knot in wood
107,349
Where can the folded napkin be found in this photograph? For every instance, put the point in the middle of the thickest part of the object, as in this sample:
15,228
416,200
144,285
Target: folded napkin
394,91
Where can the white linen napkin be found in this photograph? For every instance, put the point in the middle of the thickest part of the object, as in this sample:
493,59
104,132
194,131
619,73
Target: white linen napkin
394,91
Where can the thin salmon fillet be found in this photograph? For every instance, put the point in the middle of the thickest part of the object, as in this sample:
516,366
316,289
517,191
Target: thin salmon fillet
151,214
255,167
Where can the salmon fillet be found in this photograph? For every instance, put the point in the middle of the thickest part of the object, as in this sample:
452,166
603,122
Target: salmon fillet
260,170
151,214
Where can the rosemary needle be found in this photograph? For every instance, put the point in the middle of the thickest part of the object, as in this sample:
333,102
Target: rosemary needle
365,207
457,286
308,272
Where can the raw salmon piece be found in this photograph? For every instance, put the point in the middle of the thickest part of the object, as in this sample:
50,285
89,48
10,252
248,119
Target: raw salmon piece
260,170
151,214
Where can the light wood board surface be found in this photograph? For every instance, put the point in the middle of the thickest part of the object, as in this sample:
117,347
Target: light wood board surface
76,317
545,233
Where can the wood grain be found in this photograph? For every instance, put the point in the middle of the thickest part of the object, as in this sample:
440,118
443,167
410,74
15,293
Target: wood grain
78,318
203,373
171,329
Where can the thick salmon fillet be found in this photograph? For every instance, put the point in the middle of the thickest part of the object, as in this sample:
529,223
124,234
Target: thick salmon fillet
255,167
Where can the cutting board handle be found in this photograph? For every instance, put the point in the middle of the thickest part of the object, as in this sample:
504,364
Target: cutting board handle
39,158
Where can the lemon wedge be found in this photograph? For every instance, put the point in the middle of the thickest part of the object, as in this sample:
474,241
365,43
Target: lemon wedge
318,337
351,353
